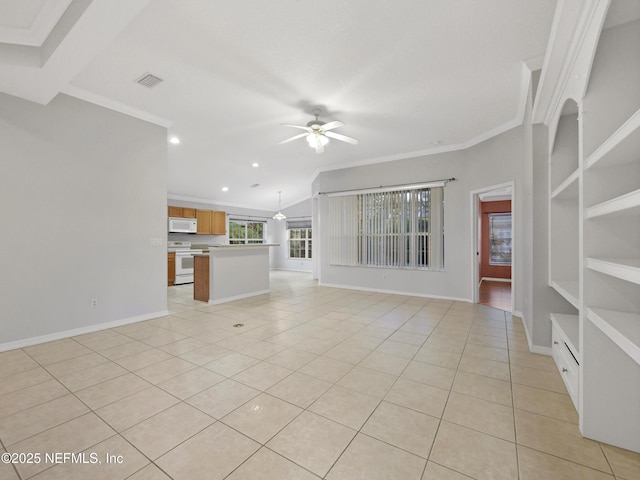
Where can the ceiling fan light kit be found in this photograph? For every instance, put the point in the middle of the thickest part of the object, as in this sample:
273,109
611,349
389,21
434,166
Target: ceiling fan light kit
318,133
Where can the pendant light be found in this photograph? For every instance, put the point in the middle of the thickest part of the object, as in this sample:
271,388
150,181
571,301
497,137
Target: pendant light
279,216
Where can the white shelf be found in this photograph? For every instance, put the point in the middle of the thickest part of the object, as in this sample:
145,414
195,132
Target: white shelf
625,269
624,204
570,327
569,289
621,147
621,327
568,188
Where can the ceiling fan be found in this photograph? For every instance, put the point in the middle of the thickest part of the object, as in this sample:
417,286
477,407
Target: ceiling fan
318,133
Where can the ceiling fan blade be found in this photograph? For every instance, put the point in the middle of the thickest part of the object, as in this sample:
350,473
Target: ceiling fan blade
307,129
332,125
342,138
295,137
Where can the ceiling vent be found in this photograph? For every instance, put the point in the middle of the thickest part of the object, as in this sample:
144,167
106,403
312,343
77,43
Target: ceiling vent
148,80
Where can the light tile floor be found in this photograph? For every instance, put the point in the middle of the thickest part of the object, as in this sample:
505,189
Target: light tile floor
316,383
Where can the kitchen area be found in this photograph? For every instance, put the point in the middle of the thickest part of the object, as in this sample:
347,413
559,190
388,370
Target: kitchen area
199,252
191,231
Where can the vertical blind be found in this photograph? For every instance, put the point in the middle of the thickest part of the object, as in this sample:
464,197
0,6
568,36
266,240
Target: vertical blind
398,228
500,239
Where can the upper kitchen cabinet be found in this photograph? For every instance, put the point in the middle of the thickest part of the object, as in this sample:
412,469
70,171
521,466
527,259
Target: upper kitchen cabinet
211,222
182,212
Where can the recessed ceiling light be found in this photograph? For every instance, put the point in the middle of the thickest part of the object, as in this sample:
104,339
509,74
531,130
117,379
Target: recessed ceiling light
255,164
174,140
225,189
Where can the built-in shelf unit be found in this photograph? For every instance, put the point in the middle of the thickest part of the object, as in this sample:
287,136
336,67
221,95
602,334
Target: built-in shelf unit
564,255
611,304
594,241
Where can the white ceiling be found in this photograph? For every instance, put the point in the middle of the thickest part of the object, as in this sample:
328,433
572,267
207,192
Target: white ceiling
406,78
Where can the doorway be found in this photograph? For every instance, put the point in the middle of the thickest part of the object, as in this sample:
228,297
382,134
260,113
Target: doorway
493,219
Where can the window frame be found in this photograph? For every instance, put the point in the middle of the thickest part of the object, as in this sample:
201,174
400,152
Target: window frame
306,242
246,240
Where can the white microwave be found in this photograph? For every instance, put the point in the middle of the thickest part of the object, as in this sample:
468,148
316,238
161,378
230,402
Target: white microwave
183,225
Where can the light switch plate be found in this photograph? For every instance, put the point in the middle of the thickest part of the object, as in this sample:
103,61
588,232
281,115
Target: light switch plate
156,242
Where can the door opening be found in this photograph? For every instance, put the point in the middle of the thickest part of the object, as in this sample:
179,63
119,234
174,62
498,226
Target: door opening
492,256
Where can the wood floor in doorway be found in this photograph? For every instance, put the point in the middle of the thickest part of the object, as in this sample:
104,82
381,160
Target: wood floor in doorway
496,294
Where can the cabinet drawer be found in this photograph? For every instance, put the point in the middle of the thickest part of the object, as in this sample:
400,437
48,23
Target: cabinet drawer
566,363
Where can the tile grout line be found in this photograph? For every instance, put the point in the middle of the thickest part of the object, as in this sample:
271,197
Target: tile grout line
513,404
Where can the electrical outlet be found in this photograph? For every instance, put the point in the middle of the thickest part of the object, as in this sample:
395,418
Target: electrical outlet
94,302
156,242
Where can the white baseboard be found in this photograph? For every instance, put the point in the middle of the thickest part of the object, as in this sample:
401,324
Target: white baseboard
395,292
28,342
290,270
238,297
532,348
491,279
541,350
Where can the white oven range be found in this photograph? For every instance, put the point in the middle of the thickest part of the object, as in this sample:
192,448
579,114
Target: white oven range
184,260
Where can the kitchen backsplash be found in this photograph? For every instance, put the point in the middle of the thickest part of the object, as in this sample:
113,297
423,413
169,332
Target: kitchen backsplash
199,239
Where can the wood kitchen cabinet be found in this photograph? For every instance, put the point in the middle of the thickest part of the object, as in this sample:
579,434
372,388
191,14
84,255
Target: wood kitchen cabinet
218,222
211,222
201,278
171,264
182,212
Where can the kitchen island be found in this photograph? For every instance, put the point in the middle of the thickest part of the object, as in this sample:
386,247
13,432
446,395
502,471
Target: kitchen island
231,272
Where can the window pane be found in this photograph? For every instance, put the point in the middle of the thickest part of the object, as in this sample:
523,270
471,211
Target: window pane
254,230
237,230
299,243
242,231
500,239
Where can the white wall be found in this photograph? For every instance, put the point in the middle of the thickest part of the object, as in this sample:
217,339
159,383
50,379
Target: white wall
495,161
82,193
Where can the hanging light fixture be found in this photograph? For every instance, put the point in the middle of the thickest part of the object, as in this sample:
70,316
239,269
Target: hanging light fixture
279,216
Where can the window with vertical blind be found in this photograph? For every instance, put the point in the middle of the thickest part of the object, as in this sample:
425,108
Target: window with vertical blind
401,228
500,239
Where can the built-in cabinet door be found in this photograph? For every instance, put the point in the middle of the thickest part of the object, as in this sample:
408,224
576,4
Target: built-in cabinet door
175,212
211,222
182,212
203,217
218,223
171,264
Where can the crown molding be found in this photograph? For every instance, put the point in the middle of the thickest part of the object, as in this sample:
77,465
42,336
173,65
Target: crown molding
209,201
43,23
592,13
116,106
